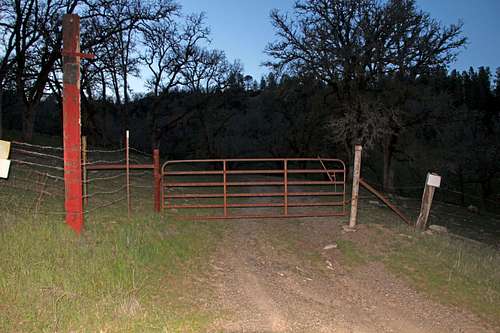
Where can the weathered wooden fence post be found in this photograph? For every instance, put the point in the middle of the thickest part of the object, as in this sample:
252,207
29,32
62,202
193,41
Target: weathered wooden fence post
84,171
127,172
355,186
431,183
157,180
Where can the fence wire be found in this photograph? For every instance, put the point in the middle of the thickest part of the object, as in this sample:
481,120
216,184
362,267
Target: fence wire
36,180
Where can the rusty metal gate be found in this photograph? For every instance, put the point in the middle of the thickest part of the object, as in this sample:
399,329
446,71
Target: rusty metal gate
255,188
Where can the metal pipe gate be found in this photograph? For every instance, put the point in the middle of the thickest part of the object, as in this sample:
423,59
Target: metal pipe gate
270,188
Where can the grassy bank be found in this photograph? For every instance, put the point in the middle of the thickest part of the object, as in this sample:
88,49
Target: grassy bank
119,276
451,271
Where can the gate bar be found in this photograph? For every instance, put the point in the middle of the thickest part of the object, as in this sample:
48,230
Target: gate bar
332,175
251,195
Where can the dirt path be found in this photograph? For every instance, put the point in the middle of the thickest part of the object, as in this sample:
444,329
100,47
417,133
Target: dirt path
264,283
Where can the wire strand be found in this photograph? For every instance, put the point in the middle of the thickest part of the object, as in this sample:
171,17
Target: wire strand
37,164
104,205
104,150
106,192
37,146
23,151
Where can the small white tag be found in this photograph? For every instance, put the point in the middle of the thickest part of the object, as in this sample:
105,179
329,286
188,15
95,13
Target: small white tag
433,180
4,149
4,168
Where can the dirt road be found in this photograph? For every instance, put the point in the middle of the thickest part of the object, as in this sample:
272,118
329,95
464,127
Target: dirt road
276,276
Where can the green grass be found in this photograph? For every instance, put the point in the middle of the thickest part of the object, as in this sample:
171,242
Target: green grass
449,270
120,276
136,275
352,255
452,271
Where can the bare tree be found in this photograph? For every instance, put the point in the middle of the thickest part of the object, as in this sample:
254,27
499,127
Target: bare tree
8,23
356,46
37,46
207,75
109,29
113,33
169,47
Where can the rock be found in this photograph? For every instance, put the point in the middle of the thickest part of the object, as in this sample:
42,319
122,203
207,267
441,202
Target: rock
330,246
428,232
438,228
374,202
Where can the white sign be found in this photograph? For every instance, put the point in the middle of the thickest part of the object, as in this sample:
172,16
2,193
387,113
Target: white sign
4,155
4,168
433,180
4,149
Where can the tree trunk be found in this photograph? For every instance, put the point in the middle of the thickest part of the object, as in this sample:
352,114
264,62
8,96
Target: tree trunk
155,136
388,176
462,186
28,122
155,126
348,151
103,86
486,191
125,115
1,111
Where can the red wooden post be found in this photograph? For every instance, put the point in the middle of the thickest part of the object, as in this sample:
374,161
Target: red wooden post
71,122
157,180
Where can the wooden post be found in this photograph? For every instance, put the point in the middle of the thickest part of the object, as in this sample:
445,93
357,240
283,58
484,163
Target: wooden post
127,167
355,186
43,183
84,171
431,183
224,176
285,180
71,122
157,180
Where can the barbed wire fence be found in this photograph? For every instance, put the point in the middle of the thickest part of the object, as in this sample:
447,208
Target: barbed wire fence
469,220
130,169
35,185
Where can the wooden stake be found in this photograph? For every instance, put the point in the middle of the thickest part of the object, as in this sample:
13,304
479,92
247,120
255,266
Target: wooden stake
127,167
285,181
84,171
355,186
224,175
158,196
43,183
431,183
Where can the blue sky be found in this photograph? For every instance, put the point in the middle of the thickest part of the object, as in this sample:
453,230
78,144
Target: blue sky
242,28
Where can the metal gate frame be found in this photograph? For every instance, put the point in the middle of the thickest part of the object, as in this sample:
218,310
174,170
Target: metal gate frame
336,177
